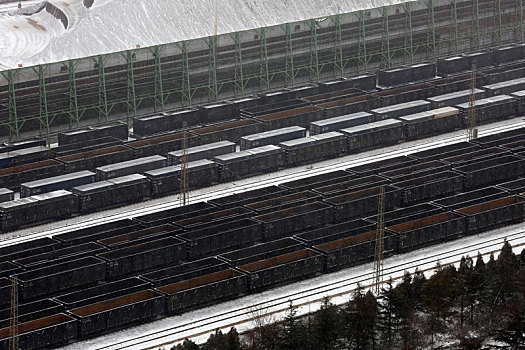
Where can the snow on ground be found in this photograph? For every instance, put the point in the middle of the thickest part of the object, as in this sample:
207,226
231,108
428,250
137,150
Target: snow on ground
115,25
305,294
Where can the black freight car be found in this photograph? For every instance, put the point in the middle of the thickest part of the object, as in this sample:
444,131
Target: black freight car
505,87
363,202
176,273
342,122
430,187
211,240
374,135
118,312
280,269
282,202
117,130
14,176
454,98
60,277
315,148
142,257
489,110
285,222
204,289
244,198
302,116
400,109
61,182
250,162
466,199
207,151
93,159
494,213
46,332
272,137
36,209
429,230
139,236
492,171
229,131
129,167
104,291
355,249
167,180
114,192
434,122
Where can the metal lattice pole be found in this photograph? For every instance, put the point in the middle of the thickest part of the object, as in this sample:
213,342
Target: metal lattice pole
13,327
471,115
289,70
431,31
475,41
184,194
386,57
159,89
380,241
264,74
74,118
338,47
239,76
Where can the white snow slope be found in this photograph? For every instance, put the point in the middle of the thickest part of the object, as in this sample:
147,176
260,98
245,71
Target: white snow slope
32,35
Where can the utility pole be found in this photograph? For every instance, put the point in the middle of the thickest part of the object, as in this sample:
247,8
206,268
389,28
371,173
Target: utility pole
184,195
380,238
472,132
13,329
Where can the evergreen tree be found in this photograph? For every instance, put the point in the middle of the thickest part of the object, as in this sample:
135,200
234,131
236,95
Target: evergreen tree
387,317
216,341
232,340
403,304
186,345
292,335
438,295
361,319
326,325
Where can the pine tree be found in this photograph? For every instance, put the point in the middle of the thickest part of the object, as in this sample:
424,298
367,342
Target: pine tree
438,295
403,304
326,325
186,345
292,335
232,340
387,318
216,341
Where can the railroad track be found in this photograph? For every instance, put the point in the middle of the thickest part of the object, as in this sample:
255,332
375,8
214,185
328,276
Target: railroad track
337,286
250,184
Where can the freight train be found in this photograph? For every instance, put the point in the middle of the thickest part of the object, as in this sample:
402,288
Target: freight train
98,279
149,177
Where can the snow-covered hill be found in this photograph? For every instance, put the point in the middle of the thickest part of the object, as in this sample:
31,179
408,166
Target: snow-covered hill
56,30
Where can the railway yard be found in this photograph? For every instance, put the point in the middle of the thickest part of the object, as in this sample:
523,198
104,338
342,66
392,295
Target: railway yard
123,217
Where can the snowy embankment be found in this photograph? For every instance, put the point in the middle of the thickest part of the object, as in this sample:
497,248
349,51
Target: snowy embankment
57,30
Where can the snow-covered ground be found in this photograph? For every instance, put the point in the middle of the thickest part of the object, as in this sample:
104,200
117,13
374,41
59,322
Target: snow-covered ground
32,35
306,295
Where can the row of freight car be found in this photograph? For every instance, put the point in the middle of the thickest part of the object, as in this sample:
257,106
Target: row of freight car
98,279
21,164
149,177
98,146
